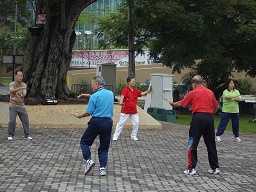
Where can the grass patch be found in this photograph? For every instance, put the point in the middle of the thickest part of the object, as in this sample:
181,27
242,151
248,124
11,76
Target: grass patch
5,80
245,125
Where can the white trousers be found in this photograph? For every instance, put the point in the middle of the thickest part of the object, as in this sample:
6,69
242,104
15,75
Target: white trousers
120,125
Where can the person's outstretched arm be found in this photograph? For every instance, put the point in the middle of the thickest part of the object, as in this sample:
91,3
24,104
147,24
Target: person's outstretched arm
79,116
85,95
147,91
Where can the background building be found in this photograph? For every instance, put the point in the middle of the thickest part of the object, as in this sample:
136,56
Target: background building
87,24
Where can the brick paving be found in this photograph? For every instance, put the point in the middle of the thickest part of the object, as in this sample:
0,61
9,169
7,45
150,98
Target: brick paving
52,162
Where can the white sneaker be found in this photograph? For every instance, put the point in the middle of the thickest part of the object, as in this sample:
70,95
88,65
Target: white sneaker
218,139
190,172
215,172
186,172
134,138
103,171
88,166
10,138
237,139
114,139
29,138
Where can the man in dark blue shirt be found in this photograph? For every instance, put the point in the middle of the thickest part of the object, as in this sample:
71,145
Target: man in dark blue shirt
100,108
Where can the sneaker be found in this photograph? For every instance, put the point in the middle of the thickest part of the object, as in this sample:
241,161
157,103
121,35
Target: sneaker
134,138
10,138
190,172
215,172
88,166
186,172
218,139
28,138
237,139
103,171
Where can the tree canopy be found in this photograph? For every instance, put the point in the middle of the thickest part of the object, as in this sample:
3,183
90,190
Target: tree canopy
7,18
213,37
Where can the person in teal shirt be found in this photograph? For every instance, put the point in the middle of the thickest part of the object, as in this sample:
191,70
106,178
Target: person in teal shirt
230,110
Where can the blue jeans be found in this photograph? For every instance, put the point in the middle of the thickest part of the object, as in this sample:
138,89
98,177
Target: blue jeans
103,128
224,122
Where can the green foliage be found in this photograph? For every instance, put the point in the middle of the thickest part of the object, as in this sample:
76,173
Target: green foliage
8,38
5,81
119,87
141,86
213,37
244,87
88,18
7,18
245,124
73,94
115,27
85,87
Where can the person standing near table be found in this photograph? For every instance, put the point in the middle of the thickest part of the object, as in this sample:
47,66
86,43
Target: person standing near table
100,108
129,98
230,110
204,104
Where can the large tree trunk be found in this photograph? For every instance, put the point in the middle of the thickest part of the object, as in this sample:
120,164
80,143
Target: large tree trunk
131,39
50,50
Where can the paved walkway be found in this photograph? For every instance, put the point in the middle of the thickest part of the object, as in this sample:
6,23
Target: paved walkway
52,162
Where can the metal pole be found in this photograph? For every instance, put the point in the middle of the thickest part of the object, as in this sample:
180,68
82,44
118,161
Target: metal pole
88,49
14,43
131,49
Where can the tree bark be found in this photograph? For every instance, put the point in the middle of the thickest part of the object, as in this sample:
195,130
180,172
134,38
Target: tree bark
49,52
131,39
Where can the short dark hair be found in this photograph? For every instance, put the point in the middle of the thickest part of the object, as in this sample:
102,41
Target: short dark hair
18,70
129,78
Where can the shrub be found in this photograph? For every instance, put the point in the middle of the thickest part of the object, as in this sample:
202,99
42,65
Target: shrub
119,87
244,87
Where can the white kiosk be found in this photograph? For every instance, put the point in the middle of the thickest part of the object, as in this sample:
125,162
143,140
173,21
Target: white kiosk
157,102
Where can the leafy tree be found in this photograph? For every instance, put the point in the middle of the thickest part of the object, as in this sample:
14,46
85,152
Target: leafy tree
213,37
8,37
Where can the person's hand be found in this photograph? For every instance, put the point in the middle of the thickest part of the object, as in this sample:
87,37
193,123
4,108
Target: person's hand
19,94
83,95
76,115
149,88
171,103
236,99
229,98
20,88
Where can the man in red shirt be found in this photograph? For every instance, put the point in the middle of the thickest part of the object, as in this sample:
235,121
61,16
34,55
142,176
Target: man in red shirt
204,104
129,97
